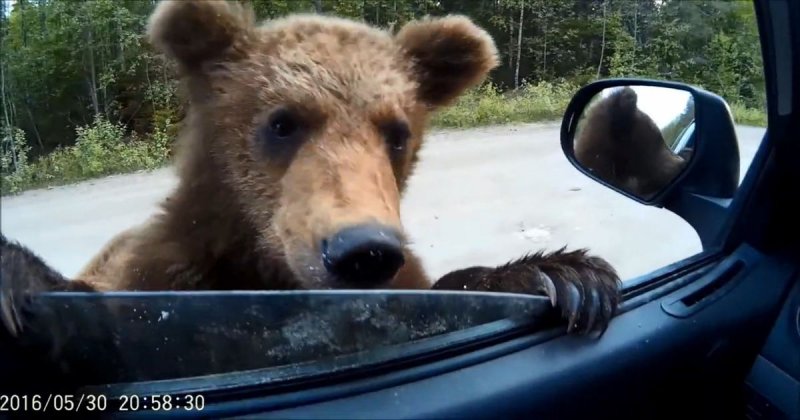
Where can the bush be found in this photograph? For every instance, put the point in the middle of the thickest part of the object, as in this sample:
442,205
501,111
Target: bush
486,105
545,101
14,165
101,149
745,115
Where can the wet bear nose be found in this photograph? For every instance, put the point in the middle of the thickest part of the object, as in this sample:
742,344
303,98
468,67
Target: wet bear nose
363,256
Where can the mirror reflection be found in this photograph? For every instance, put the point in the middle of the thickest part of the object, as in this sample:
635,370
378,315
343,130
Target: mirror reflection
636,138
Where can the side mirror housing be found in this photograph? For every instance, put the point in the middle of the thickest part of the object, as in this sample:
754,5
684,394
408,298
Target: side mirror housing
663,144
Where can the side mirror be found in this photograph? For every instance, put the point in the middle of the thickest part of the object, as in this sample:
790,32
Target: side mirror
663,144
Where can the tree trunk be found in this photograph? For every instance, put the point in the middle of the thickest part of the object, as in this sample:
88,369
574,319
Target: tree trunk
544,50
635,31
92,79
35,128
603,43
318,6
149,84
3,95
42,17
511,40
22,24
519,42
8,124
121,44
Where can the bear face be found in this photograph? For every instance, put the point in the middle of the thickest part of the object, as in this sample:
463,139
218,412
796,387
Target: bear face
622,145
314,123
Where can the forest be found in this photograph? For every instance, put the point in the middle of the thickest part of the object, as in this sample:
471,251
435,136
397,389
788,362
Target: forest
84,95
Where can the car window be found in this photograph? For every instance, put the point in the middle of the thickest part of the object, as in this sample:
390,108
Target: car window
546,202
91,114
277,337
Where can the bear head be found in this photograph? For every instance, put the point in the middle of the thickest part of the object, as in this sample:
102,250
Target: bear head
314,123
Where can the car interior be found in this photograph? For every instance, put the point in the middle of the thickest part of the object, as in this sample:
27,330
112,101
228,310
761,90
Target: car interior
716,335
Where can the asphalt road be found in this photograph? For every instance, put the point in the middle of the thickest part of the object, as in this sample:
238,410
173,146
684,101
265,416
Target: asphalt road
479,197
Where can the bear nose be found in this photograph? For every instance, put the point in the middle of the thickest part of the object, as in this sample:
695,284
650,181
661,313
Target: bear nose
363,255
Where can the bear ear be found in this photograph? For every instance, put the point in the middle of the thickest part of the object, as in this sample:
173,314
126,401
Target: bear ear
450,55
195,32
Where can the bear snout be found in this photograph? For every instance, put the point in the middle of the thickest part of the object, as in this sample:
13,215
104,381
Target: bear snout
363,256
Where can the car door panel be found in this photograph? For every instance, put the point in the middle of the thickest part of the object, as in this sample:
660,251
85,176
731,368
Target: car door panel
647,358
773,383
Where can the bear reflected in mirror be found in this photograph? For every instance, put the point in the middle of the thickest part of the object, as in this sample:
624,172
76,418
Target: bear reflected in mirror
631,149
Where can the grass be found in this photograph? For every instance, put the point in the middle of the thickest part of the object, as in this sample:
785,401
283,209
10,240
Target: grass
748,116
488,106
102,148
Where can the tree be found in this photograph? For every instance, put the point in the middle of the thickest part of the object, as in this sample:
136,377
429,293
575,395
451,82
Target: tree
62,62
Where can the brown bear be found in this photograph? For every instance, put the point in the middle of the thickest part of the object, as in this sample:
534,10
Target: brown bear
623,146
299,138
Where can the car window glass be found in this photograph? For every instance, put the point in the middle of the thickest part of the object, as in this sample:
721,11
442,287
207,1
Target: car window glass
91,114
286,336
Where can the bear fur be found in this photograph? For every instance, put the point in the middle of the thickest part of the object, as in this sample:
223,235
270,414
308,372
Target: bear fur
623,146
297,128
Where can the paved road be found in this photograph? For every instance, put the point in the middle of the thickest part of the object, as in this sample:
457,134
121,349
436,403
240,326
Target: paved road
479,197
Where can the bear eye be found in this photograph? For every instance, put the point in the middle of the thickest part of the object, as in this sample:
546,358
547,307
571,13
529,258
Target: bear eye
281,135
396,134
282,125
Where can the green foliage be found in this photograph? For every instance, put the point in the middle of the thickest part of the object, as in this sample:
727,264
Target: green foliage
66,61
63,63
487,105
743,114
101,149
14,166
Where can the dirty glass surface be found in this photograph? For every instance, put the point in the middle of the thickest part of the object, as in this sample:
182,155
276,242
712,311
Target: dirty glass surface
131,337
